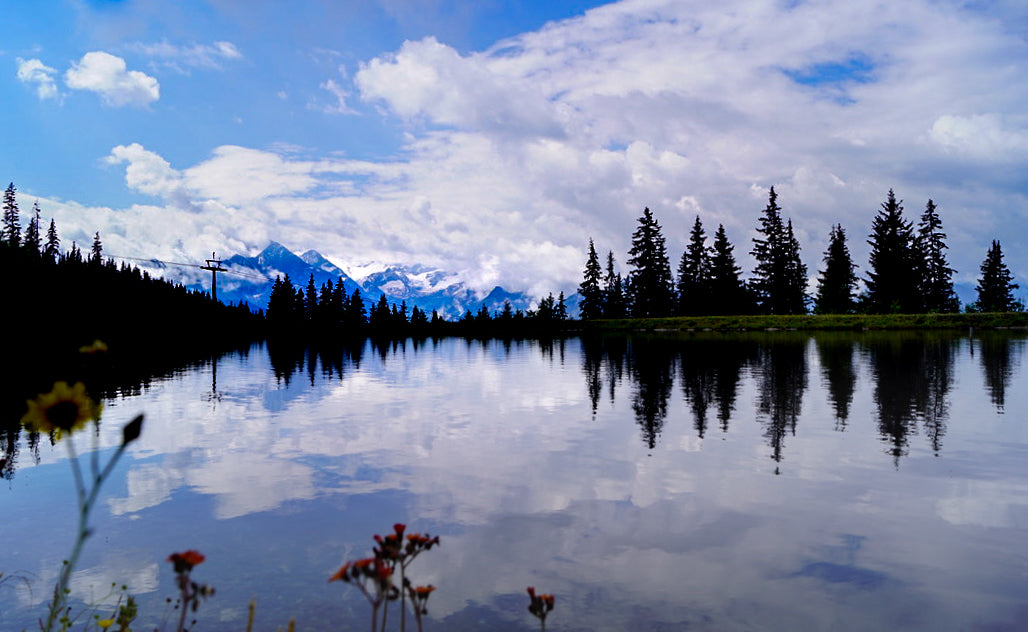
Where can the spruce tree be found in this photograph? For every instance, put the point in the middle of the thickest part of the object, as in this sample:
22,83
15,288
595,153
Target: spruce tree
52,249
97,252
591,304
995,285
795,298
694,273
779,279
893,278
838,281
613,291
32,241
11,231
727,293
650,284
937,276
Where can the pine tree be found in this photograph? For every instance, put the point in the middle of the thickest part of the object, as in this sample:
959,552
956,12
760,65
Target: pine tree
650,284
727,294
613,291
779,279
52,249
995,285
937,276
31,241
97,252
838,281
694,274
591,305
795,298
893,278
11,233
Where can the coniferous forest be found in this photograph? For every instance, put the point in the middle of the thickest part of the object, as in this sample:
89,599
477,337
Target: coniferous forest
907,272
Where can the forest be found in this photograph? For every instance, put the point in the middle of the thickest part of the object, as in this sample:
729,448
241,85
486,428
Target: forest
907,272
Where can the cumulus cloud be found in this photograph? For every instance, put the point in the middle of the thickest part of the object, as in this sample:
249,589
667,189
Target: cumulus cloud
108,76
33,71
525,150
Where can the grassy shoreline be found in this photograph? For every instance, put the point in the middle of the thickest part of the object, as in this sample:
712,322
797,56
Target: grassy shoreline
811,322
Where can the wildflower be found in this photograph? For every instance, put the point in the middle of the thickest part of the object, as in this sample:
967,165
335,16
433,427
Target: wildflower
98,346
342,574
540,605
64,409
103,624
185,561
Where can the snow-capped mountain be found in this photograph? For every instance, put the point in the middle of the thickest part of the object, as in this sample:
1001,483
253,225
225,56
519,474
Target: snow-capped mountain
249,279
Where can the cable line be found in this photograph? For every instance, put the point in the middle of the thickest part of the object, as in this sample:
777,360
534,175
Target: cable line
153,260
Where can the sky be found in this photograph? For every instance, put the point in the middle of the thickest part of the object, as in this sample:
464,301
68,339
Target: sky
495,138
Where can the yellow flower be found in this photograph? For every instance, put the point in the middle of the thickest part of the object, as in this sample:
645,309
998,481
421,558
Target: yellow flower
103,624
64,409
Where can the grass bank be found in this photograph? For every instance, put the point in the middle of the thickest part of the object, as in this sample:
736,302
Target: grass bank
810,322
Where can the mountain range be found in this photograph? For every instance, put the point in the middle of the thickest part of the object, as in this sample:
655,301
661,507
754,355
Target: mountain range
249,279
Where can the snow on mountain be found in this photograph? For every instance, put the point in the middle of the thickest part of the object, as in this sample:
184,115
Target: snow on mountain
249,279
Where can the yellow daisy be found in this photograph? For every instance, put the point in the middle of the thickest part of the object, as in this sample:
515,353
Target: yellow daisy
64,409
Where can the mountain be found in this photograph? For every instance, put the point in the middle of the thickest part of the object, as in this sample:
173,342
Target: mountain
249,279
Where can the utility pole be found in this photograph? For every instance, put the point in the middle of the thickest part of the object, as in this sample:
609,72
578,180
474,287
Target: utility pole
214,265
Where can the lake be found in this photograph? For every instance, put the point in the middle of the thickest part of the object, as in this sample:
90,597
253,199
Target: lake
764,481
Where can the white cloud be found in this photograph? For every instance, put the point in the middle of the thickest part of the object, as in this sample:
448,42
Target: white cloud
33,71
515,156
108,76
180,58
340,95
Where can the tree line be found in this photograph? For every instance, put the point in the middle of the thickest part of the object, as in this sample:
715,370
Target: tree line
329,310
907,272
68,298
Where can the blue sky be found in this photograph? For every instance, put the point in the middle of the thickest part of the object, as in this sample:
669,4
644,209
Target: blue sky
494,138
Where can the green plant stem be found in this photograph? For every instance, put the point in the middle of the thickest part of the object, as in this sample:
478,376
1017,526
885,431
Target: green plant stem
86,500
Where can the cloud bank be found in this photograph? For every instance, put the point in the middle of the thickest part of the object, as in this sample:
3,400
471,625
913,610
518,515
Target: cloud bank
514,156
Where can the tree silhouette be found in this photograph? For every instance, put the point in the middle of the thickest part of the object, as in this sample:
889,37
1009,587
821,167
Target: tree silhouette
32,242
937,276
838,281
650,282
779,280
613,291
727,293
52,249
96,253
694,273
591,305
893,280
11,231
995,285
839,374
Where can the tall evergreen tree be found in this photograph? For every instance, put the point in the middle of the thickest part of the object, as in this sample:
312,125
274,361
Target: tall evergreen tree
613,291
32,240
694,273
838,281
727,293
650,284
11,230
795,298
937,276
52,249
97,252
591,305
893,278
995,285
779,279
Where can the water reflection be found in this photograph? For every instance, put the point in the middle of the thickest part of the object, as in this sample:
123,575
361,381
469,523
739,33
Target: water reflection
629,475
913,373
1000,357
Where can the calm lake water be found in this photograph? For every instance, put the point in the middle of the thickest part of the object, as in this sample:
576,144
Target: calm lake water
775,481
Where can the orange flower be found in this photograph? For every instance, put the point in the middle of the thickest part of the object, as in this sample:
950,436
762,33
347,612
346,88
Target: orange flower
185,561
341,574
